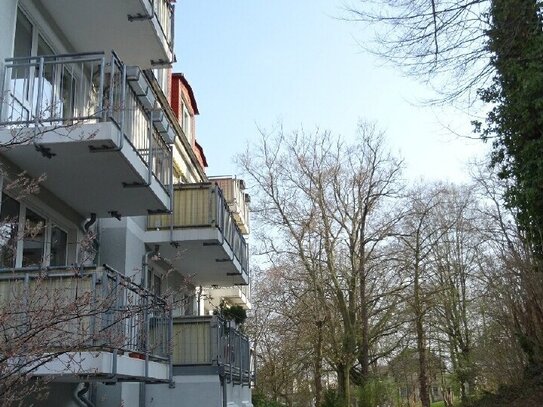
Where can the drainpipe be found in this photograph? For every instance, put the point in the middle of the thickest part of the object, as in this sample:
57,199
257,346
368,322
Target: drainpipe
224,395
79,395
144,282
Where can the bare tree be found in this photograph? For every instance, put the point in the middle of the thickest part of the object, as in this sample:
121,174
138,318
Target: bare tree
328,205
441,42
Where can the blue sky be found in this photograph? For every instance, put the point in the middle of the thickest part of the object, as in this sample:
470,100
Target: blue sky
255,63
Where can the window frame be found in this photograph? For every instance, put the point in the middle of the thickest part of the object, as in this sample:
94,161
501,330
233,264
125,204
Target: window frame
50,223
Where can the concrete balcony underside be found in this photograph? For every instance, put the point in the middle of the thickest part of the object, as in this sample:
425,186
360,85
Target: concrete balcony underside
128,26
101,366
200,254
87,170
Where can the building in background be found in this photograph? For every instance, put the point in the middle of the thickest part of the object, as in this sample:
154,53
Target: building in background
128,250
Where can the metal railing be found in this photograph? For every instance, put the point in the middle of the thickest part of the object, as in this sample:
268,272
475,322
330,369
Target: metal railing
164,12
203,205
209,340
84,309
73,89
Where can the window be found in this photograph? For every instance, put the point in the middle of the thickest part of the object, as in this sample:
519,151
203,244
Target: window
59,243
33,239
186,123
9,222
39,242
57,92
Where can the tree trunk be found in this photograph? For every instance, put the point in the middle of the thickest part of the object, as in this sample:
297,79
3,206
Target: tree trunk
344,385
318,365
421,348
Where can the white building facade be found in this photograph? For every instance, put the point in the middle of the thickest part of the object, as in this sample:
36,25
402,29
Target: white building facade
124,245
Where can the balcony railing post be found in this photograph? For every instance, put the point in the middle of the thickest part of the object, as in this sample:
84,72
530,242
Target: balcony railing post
93,315
40,93
169,349
111,87
122,103
172,27
4,94
213,343
150,155
101,111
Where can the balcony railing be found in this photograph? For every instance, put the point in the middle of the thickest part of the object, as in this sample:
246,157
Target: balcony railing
203,206
59,310
164,11
66,91
208,340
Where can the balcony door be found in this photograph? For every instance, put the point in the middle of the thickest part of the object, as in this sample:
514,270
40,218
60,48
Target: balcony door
54,99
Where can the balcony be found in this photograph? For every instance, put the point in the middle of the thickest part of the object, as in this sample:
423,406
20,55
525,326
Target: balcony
207,345
86,122
200,238
141,31
237,295
93,323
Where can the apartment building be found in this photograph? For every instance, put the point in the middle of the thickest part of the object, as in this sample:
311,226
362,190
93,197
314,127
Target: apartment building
116,269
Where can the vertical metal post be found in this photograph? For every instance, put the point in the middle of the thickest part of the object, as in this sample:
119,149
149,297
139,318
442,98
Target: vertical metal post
40,94
172,26
93,316
3,94
101,109
150,159
27,299
169,343
111,86
241,354
122,104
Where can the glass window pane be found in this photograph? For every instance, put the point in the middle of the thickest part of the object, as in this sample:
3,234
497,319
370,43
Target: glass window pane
59,241
9,221
22,47
23,37
34,239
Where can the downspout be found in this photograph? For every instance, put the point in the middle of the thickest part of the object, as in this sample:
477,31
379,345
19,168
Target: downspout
79,395
224,395
144,282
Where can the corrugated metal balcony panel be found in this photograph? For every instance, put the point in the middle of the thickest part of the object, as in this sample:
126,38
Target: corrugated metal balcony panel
192,343
210,341
140,30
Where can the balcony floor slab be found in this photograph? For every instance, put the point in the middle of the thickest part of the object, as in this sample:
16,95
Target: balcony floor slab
200,254
86,180
73,366
103,25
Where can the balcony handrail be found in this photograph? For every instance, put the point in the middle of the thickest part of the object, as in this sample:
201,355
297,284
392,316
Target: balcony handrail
55,56
128,303
67,89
